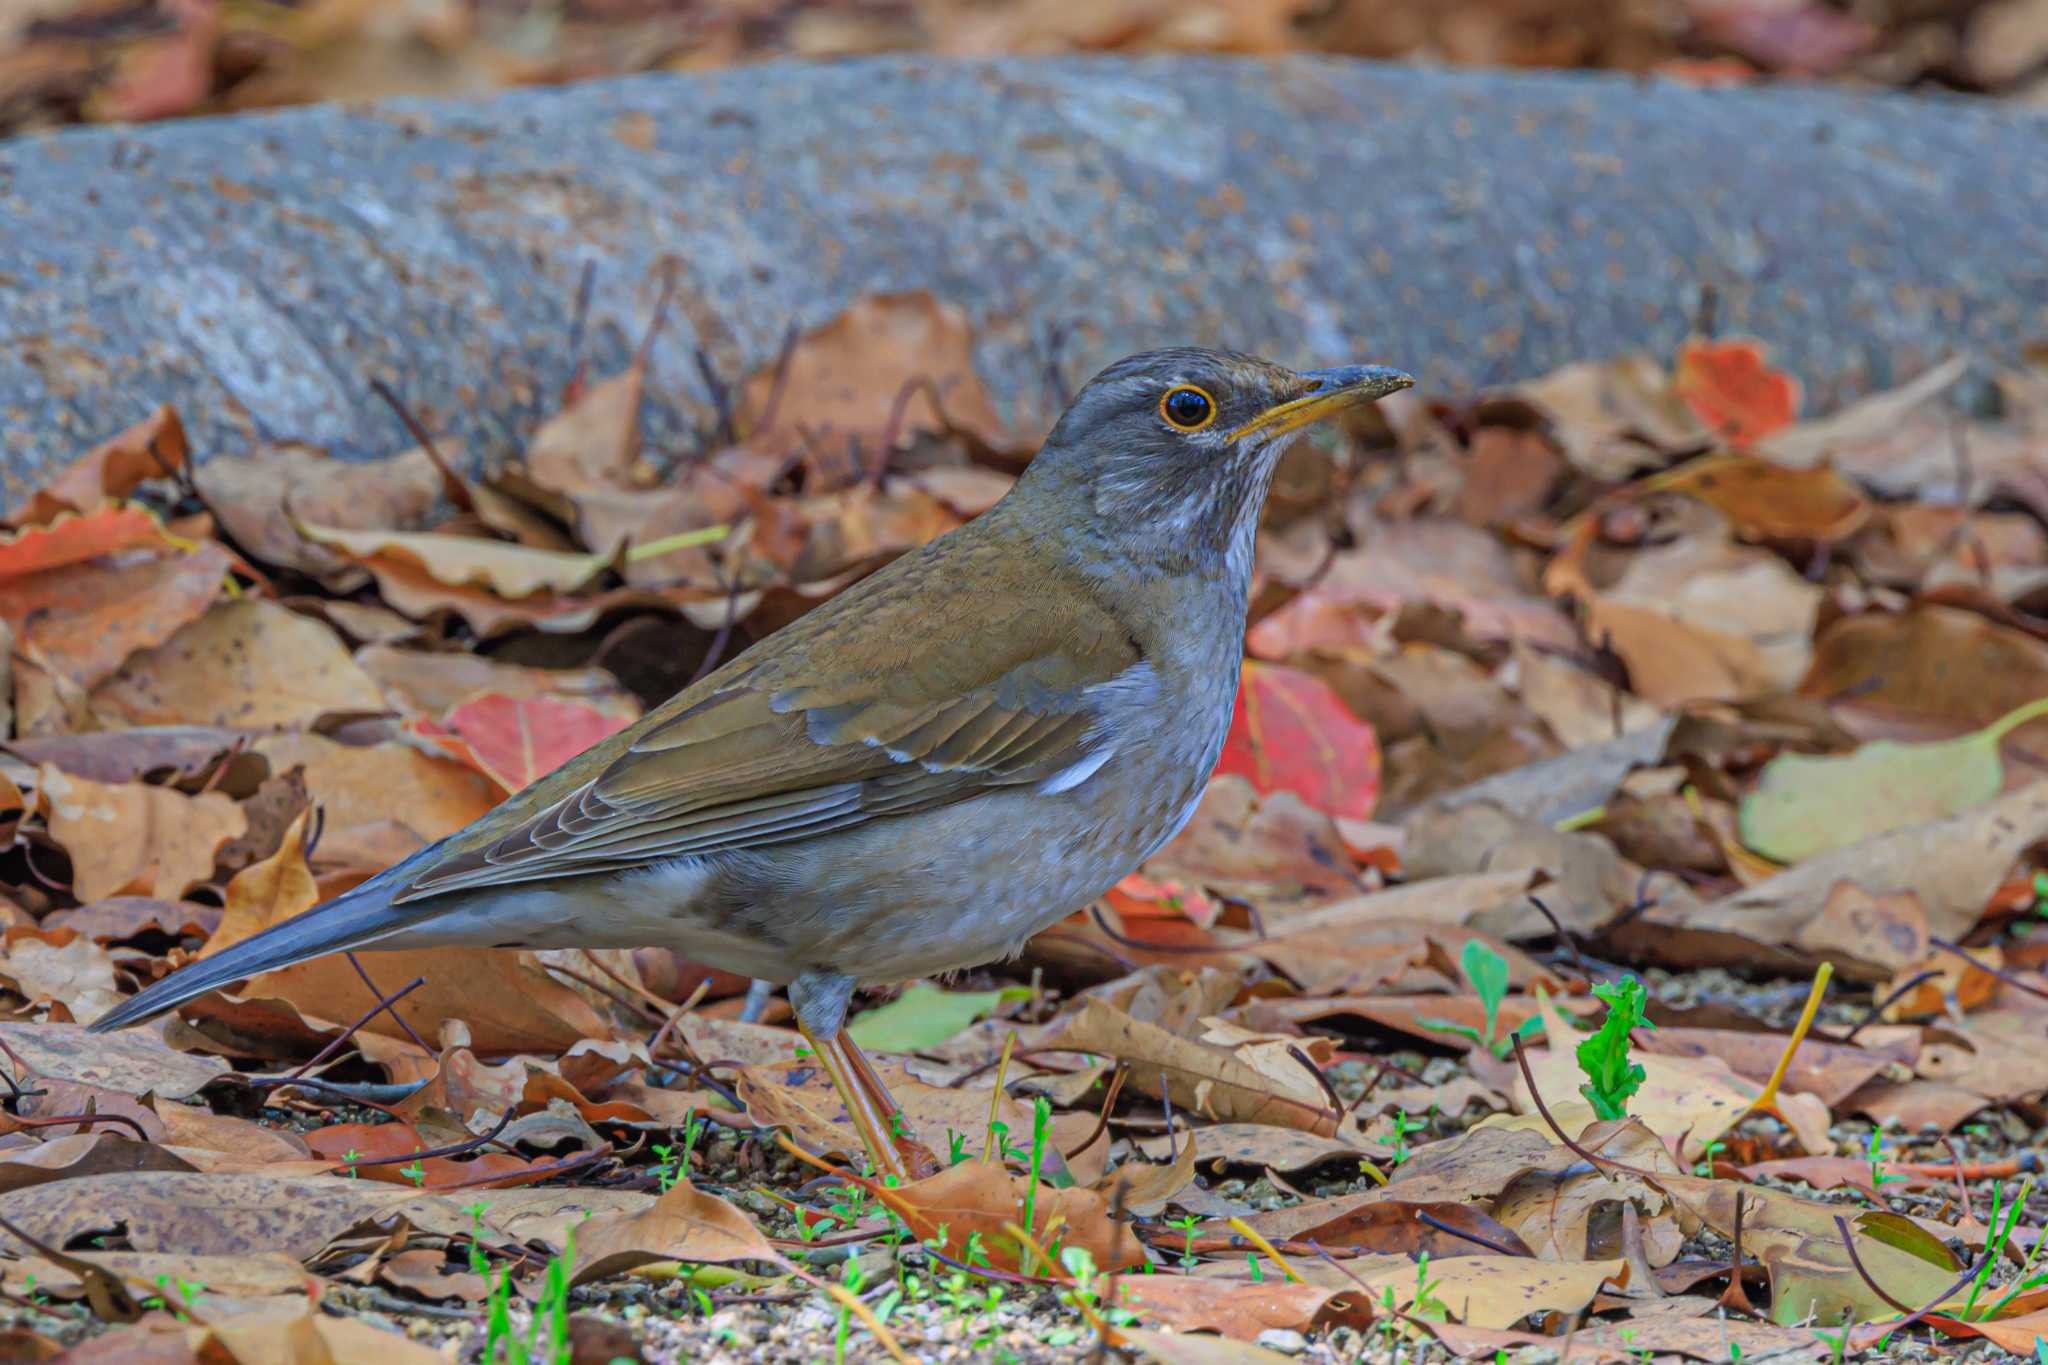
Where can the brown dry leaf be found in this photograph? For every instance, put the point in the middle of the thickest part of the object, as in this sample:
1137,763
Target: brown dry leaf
844,380
361,786
1584,880
1765,501
133,839
1932,672
176,753
1580,707
977,1197
132,1062
1951,867
190,1213
1288,1150
188,1127
259,495
1237,1309
1830,1072
1554,1210
247,663
1613,418
2000,1057
119,918
152,448
84,619
78,1156
60,967
1695,615
1274,850
266,893
685,1224
1210,1081
505,996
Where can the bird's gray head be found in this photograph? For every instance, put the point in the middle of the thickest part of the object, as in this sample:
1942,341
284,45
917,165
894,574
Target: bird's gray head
1171,452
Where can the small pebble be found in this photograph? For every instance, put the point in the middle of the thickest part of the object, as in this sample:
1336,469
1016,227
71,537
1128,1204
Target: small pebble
1285,1340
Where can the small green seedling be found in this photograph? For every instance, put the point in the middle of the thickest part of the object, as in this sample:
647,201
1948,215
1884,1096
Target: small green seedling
1486,971
1611,1078
1397,1141
1873,1152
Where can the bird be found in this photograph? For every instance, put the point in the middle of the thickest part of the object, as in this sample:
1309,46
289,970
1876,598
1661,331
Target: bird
916,776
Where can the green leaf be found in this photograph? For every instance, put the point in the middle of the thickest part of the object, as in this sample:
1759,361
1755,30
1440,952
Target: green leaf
925,1016
1611,1079
1488,973
1805,804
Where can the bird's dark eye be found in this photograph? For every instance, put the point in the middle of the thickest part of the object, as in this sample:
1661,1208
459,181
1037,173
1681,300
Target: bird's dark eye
1187,408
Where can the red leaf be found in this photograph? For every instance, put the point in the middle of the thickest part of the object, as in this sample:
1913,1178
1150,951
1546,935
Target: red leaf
1291,732
1734,391
517,740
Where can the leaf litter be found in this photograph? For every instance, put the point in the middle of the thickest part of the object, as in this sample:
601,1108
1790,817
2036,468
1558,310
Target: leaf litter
1619,934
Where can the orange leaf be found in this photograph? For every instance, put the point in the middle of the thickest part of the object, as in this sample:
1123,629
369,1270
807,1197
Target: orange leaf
1291,732
1734,391
1141,896
74,539
152,447
517,740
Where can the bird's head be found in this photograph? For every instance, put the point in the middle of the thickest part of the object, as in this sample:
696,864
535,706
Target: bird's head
1173,450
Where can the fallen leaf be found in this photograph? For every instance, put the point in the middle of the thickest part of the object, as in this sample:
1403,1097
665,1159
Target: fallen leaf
247,663
1290,732
422,683
1733,391
65,969
505,570
871,375
685,1224
153,448
134,839
980,1198
132,1062
260,496
923,1016
74,539
1805,804
517,741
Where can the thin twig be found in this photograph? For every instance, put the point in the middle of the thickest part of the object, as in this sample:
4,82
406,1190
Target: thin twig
1898,994
1431,1220
2001,973
1116,1084
469,1144
396,1017
335,1045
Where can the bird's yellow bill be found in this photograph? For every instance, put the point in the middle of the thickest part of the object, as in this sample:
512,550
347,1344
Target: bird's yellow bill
1333,391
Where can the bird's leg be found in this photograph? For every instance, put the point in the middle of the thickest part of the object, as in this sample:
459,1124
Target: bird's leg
820,1007
759,993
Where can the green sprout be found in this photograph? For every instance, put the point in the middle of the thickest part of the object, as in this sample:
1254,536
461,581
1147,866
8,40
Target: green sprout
1611,1078
1486,971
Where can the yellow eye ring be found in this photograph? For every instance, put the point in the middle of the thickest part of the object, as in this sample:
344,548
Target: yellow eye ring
1187,408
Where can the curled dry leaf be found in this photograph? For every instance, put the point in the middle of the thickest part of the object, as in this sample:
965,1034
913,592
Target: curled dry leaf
153,448
1238,1309
259,496
510,572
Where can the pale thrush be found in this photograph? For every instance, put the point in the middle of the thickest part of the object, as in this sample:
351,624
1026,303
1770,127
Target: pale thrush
917,776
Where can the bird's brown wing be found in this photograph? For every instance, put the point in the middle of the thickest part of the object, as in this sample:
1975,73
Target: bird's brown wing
913,713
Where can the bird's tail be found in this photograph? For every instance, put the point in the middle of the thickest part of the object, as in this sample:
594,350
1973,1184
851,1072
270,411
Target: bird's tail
352,920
